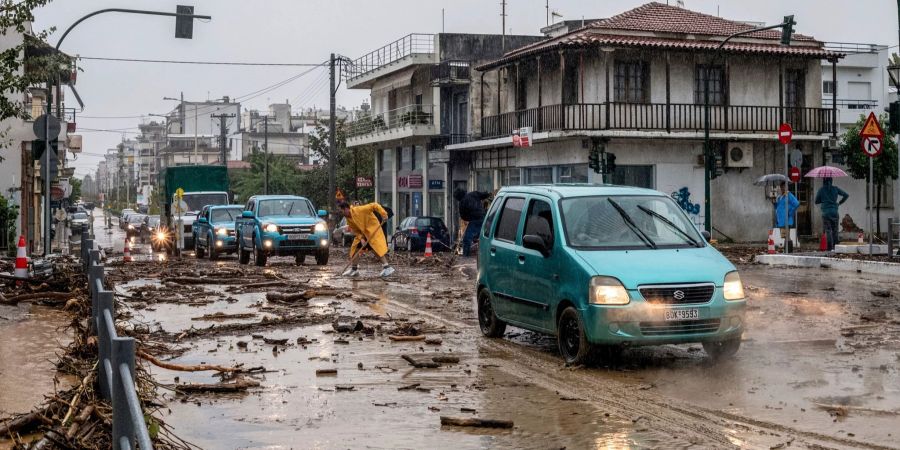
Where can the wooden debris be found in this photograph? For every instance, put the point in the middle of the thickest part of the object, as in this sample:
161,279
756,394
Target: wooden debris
55,297
187,368
239,385
444,359
326,372
475,422
24,421
406,338
200,280
409,387
434,341
292,298
421,364
222,316
275,341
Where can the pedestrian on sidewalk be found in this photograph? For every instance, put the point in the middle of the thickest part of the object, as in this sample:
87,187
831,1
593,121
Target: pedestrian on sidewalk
471,209
827,197
785,201
366,223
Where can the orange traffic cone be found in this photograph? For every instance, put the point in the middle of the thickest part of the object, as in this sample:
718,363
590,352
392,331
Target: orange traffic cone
823,243
21,260
428,245
771,249
127,257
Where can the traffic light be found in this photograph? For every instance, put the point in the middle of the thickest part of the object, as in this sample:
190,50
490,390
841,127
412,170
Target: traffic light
594,160
787,30
894,117
610,163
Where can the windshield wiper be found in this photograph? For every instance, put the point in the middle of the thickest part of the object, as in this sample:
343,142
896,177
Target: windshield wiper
291,208
632,225
668,222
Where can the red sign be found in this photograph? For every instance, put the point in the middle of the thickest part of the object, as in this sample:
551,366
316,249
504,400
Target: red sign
785,133
57,193
871,136
415,181
522,137
795,174
364,182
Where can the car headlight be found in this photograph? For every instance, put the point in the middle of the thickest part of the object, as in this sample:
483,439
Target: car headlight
221,232
160,235
271,228
130,227
733,288
608,291
320,227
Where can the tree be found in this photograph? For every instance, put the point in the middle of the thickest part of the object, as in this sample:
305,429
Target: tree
76,189
350,163
8,215
282,177
884,165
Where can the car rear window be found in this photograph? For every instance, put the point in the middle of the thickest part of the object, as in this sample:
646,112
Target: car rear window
432,222
508,223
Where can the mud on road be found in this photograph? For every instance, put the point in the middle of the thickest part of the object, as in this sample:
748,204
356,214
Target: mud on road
818,367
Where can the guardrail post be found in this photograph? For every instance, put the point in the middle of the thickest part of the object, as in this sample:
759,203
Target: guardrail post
890,239
122,425
105,302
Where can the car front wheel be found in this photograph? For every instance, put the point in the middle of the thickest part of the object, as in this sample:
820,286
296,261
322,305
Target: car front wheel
259,256
572,340
322,257
490,324
719,350
210,247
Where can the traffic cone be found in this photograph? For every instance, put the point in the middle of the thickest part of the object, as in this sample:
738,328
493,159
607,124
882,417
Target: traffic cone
428,252
771,250
860,238
823,243
21,260
127,257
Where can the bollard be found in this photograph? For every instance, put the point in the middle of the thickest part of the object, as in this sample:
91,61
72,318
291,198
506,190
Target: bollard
123,364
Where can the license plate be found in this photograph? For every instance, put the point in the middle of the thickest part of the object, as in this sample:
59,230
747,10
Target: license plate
297,237
682,314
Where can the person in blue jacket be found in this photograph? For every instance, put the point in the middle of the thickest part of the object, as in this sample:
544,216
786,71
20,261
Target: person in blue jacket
828,197
785,199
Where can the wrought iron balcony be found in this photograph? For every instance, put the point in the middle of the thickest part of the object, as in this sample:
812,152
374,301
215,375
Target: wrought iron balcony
450,72
407,116
411,44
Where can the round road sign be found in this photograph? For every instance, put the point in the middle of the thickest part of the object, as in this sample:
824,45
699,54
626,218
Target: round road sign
40,127
785,133
871,146
794,174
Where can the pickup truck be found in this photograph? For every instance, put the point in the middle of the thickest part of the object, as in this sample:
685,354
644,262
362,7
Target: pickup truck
213,231
281,225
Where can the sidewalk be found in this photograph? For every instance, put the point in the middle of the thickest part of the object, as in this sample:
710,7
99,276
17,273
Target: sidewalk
829,261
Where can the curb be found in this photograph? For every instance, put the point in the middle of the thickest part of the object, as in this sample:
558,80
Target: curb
822,262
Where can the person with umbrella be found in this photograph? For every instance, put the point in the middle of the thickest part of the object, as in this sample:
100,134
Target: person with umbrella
785,208
827,198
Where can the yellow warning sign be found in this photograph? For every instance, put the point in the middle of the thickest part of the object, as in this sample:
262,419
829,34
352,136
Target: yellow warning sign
872,128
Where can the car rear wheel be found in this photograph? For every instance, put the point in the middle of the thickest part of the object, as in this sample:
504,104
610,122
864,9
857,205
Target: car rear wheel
213,254
198,250
719,350
322,257
573,343
409,245
490,324
259,257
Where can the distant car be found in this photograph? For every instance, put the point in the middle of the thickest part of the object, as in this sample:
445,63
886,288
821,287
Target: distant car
123,218
342,235
134,224
148,228
413,232
281,225
213,231
79,222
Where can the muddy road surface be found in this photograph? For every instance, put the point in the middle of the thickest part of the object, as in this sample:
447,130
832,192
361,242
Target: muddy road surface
818,367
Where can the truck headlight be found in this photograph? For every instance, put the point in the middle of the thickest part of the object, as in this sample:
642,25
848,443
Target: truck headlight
320,228
608,291
221,232
733,288
271,228
160,235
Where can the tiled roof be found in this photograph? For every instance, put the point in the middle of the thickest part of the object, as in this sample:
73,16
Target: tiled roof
660,18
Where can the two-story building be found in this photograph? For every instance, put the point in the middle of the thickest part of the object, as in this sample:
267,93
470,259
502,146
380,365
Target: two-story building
635,83
422,94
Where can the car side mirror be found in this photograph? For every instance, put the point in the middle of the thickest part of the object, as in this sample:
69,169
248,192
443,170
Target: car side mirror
706,235
533,242
203,220
322,213
247,214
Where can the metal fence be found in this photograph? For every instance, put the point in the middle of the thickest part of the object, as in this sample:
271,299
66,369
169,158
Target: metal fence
411,44
409,115
116,365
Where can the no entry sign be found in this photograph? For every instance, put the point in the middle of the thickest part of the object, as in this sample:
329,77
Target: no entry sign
795,174
785,133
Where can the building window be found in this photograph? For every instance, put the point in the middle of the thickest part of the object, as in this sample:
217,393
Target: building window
828,87
484,180
406,158
436,204
539,175
637,176
632,82
418,158
510,177
387,159
717,84
573,174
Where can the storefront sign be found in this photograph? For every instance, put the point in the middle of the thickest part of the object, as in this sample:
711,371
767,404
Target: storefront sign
435,184
415,181
402,182
416,203
522,137
365,182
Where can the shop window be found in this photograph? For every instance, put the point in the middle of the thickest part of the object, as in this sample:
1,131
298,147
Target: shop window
637,176
539,175
484,180
573,174
510,177
436,204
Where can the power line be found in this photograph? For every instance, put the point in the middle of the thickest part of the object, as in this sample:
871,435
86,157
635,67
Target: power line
213,63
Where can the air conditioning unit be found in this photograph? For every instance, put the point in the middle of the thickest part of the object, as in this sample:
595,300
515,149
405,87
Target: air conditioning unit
739,155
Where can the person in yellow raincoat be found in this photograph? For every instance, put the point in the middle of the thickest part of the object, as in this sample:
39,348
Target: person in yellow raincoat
365,221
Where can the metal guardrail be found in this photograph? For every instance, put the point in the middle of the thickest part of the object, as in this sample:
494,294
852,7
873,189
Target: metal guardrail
116,365
850,103
395,118
411,44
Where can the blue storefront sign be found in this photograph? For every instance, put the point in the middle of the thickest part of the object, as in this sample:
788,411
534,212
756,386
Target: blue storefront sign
416,204
435,184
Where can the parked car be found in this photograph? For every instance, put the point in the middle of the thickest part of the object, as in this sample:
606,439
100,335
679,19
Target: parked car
148,228
134,222
79,222
213,231
342,235
604,266
413,231
281,225
123,218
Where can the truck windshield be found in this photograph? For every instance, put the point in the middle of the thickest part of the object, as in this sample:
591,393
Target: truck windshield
226,215
196,202
287,207
596,223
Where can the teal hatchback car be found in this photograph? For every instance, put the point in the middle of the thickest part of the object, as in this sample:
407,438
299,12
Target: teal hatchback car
604,266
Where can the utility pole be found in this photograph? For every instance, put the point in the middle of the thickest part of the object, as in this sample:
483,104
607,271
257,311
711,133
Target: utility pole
503,24
223,131
332,138
266,148
196,153
547,8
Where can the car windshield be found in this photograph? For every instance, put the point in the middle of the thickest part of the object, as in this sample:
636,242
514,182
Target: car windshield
136,218
287,207
432,222
78,216
196,202
627,222
153,221
226,215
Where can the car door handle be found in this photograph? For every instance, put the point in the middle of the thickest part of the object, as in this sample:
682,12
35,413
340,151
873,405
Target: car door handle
521,259
493,251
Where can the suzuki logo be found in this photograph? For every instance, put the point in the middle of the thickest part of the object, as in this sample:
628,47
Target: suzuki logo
679,295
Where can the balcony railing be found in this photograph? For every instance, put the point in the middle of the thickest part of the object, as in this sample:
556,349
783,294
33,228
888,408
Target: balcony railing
849,103
411,44
450,72
658,117
396,118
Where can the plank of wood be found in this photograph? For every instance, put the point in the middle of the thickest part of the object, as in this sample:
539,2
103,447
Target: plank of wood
475,422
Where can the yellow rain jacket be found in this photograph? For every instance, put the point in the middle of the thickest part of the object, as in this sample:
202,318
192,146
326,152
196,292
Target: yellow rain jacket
364,223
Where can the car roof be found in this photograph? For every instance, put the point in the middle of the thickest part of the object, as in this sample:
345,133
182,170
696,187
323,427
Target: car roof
205,192
275,197
566,190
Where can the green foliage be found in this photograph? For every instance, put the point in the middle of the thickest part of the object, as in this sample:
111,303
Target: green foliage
885,165
8,215
76,189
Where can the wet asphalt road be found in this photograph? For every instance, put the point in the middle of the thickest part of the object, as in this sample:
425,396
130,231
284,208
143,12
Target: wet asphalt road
818,367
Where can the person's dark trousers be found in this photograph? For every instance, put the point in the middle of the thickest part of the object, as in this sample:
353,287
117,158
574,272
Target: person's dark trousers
472,230
831,231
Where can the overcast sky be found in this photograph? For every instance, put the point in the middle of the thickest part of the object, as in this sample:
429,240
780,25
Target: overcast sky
307,31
